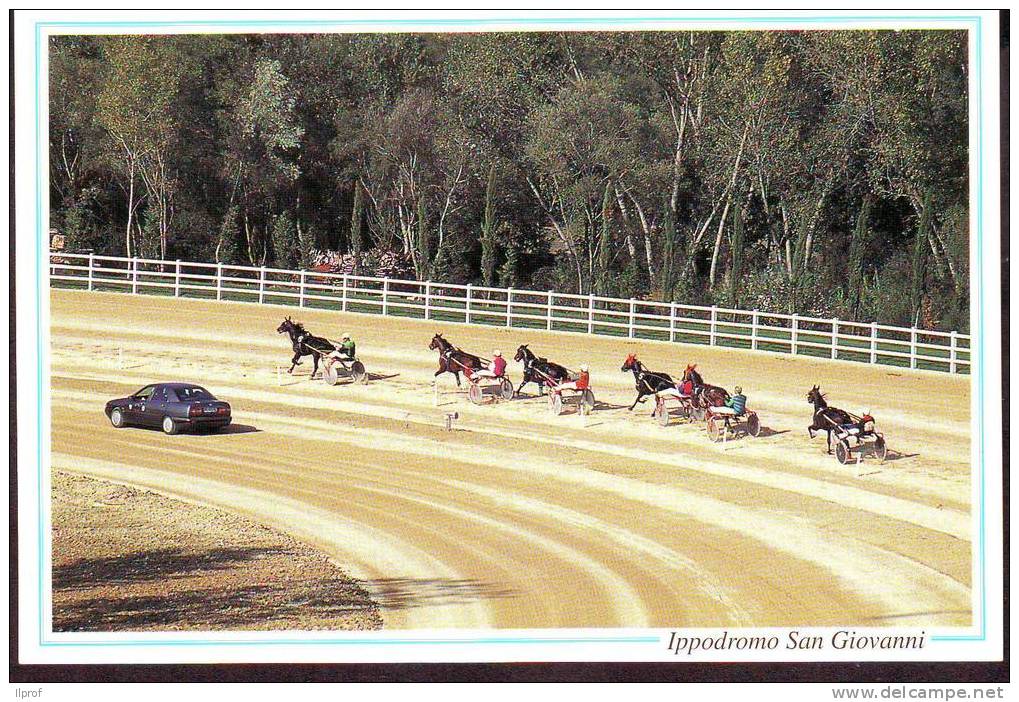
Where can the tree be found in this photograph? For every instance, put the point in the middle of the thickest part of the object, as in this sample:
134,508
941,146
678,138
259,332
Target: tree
137,111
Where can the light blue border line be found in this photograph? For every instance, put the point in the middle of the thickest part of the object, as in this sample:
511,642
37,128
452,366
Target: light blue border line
976,19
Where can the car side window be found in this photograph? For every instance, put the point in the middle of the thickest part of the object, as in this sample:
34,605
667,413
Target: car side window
145,393
170,395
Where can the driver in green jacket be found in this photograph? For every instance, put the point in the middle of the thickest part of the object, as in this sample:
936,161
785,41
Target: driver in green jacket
346,349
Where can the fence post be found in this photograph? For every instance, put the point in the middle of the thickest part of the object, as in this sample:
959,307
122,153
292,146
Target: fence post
428,297
952,354
672,321
548,311
300,299
509,307
590,313
912,347
796,334
176,279
261,284
629,329
343,294
134,276
385,296
91,266
873,342
835,338
470,291
714,324
753,330
219,281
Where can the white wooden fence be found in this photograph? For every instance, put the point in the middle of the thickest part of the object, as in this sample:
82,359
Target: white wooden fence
555,311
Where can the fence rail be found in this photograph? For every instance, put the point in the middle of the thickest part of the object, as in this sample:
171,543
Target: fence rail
553,311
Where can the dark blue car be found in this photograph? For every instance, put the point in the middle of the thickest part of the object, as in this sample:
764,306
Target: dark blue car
172,406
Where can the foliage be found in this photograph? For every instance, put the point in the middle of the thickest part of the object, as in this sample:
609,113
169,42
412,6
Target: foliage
821,172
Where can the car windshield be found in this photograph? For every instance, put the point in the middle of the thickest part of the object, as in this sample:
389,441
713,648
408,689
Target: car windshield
193,392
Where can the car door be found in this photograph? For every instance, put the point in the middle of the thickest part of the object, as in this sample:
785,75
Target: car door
138,407
156,407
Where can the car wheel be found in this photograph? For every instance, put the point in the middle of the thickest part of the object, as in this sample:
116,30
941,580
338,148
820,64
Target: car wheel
170,426
117,418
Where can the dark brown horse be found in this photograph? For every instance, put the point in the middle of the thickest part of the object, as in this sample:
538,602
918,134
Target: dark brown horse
539,371
825,418
704,395
305,344
647,382
453,360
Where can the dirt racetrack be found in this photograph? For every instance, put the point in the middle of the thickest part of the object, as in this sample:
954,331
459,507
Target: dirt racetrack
522,519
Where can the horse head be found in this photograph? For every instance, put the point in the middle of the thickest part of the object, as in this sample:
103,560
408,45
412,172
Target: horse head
522,353
438,343
816,397
631,363
285,326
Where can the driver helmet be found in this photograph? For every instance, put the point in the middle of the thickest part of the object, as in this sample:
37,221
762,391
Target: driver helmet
497,352
345,337
739,390
584,368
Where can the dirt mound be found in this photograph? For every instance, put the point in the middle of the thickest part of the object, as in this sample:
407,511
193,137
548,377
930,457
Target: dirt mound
130,560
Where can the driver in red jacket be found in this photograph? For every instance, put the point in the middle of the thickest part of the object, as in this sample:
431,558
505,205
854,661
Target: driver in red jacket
496,369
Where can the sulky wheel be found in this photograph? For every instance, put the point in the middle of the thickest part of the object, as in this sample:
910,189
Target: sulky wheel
880,448
555,404
716,429
699,413
753,424
330,374
662,412
357,370
506,389
586,401
842,452
475,393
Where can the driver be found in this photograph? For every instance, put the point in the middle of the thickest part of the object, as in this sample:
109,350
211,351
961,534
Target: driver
738,401
496,369
583,381
346,349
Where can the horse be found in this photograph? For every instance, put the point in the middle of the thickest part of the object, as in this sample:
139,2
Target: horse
825,417
704,395
537,370
305,344
648,383
453,360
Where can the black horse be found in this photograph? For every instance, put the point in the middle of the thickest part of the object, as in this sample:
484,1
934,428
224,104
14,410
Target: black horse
648,382
453,360
704,395
305,344
825,417
538,370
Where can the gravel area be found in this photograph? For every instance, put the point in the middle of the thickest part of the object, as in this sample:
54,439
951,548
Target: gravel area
133,560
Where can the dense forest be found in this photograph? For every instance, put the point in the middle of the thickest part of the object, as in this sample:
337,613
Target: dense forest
820,172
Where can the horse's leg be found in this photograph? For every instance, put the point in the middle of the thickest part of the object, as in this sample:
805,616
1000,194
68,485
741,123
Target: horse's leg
294,362
456,374
314,370
635,401
829,441
810,431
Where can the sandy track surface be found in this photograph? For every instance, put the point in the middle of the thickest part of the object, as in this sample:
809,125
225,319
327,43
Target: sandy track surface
133,560
521,519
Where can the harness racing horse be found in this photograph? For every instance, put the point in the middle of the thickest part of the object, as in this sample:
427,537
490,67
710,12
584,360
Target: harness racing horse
648,383
825,418
704,396
305,344
537,370
453,360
